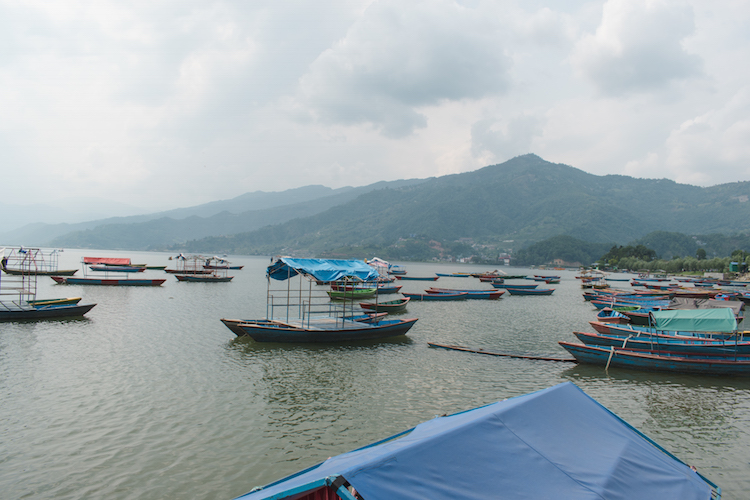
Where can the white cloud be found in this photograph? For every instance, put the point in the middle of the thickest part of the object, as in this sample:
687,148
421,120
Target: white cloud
400,57
638,47
712,148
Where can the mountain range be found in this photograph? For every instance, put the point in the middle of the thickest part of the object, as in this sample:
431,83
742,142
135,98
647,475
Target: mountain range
497,208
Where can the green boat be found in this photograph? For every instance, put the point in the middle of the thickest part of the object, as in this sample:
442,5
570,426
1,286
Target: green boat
390,306
352,293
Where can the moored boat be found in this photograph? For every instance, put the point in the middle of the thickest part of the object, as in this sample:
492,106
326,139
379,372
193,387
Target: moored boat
417,278
615,356
390,306
471,294
530,291
436,296
317,321
70,280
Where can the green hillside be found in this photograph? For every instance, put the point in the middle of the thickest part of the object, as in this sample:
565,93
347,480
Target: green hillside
503,207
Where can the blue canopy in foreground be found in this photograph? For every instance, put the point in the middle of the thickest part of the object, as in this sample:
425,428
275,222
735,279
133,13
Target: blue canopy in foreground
321,269
695,320
555,443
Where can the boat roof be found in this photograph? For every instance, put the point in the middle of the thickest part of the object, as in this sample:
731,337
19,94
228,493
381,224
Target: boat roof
107,260
554,443
737,306
321,269
695,320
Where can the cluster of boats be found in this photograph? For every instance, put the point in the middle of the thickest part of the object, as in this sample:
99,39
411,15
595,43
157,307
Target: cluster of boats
21,268
684,331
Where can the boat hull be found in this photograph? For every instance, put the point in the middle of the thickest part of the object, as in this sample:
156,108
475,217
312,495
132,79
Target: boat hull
336,331
653,362
436,296
60,272
530,291
46,312
63,280
392,306
417,278
202,278
687,347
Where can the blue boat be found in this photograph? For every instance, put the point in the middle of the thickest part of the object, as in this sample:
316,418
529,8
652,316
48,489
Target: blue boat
517,287
25,311
665,362
554,443
674,345
530,291
317,319
388,288
417,278
69,280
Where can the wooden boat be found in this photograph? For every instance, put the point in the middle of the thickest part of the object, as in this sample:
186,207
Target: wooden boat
471,294
217,263
117,269
58,272
517,287
25,311
454,275
324,330
386,289
316,320
203,278
391,306
530,291
608,315
417,278
614,356
370,317
188,271
189,264
668,343
32,261
352,294
554,443
436,296
69,280
54,302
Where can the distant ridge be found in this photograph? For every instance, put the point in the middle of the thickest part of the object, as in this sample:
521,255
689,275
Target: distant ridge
505,206
497,208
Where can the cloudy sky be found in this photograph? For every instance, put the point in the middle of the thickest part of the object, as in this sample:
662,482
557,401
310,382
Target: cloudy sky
162,104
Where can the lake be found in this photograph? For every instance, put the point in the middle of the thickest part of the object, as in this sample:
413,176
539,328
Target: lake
151,396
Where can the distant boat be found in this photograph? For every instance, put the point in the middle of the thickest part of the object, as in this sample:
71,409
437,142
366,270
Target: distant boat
32,261
436,296
530,291
68,280
203,278
517,287
417,278
454,275
471,294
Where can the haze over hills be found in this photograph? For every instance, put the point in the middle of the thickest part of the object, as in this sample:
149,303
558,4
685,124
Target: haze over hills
157,230
505,207
497,208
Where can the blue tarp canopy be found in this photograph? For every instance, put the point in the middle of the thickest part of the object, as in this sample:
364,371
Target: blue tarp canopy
554,443
695,320
321,269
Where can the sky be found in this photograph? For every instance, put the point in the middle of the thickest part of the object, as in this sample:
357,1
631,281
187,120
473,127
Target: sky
165,104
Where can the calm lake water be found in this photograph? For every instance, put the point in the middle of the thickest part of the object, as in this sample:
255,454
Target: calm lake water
151,396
